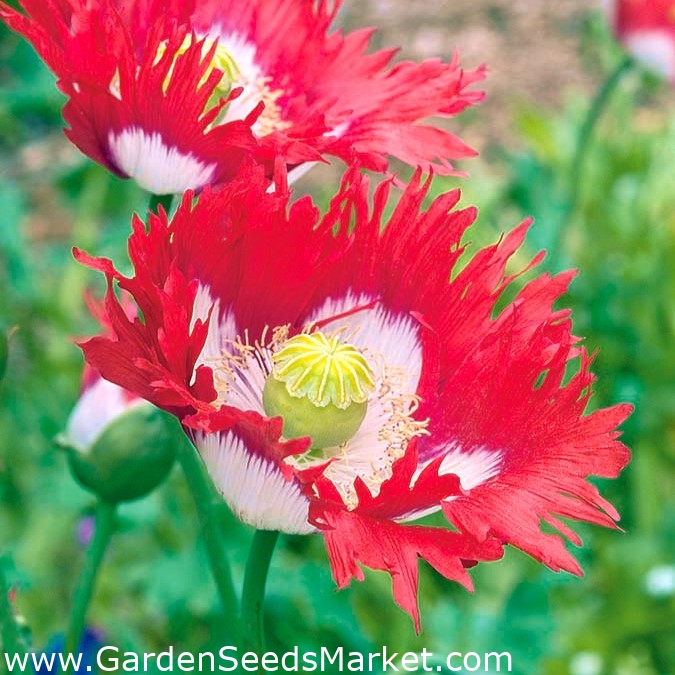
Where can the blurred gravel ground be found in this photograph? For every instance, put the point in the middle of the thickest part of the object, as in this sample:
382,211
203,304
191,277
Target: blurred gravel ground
531,48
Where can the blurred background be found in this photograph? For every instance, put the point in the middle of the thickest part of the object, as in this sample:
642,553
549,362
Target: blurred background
607,209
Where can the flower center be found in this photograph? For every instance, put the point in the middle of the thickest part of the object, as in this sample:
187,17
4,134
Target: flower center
341,365
320,386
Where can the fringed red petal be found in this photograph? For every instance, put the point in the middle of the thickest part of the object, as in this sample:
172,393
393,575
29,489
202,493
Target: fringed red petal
384,545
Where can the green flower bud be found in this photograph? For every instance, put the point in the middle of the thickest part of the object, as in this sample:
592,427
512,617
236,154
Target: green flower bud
119,447
320,387
130,458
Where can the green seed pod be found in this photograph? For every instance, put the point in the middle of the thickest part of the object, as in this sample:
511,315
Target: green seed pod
320,387
327,426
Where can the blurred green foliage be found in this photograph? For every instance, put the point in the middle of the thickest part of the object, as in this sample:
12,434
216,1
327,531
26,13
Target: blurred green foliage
155,589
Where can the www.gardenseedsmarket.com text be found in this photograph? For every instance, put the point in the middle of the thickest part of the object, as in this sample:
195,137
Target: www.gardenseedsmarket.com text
229,659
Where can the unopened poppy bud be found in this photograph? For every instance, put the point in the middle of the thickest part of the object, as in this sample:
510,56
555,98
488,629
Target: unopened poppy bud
119,446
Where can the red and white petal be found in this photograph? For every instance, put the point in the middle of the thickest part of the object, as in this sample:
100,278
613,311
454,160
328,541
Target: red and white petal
254,83
548,447
222,327
532,487
156,166
239,370
647,30
472,468
253,486
338,99
655,48
383,336
240,377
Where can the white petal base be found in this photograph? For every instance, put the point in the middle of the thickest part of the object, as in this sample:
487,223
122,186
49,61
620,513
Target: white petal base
473,468
155,166
253,488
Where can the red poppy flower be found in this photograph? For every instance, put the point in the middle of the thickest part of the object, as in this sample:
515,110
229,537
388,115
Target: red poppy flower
647,29
344,378
175,94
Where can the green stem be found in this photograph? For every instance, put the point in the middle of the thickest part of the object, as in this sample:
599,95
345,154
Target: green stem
103,531
253,594
12,642
160,200
583,142
598,106
208,503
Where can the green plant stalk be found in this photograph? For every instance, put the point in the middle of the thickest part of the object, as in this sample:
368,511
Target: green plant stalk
12,643
104,528
160,200
253,594
4,352
598,106
602,97
207,503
